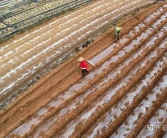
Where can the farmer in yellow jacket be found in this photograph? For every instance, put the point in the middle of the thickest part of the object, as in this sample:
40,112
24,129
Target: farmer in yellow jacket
117,31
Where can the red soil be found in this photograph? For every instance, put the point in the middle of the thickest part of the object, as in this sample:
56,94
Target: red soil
76,96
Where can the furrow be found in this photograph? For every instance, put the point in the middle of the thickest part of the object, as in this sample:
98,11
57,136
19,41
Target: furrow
79,86
99,107
152,100
41,42
56,107
63,24
153,17
131,35
56,82
131,99
42,62
149,130
127,52
99,89
44,28
161,130
61,28
127,126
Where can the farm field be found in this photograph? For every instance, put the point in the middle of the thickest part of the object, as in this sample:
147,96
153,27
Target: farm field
17,15
26,56
125,95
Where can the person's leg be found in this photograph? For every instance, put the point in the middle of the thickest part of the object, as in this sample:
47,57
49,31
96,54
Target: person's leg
118,35
86,71
115,35
83,72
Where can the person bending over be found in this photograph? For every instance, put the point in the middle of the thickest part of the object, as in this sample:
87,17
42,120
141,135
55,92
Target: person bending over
83,66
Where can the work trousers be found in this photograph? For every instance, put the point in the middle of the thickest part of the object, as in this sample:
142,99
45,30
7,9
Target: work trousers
117,35
84,72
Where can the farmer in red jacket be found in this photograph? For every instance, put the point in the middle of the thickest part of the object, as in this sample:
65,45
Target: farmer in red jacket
83,66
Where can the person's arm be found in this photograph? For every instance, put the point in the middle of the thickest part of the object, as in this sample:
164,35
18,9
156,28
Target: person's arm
86,65
115,31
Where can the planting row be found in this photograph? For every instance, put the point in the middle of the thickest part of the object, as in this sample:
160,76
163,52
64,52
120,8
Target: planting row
125,72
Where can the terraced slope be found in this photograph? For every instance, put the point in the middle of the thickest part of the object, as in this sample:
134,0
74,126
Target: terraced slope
25,57
124,96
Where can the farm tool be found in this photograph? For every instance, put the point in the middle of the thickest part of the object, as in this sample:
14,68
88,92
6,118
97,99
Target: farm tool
91,63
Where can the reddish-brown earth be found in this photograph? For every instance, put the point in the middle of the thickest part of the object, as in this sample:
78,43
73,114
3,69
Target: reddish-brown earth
123,96
31,53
